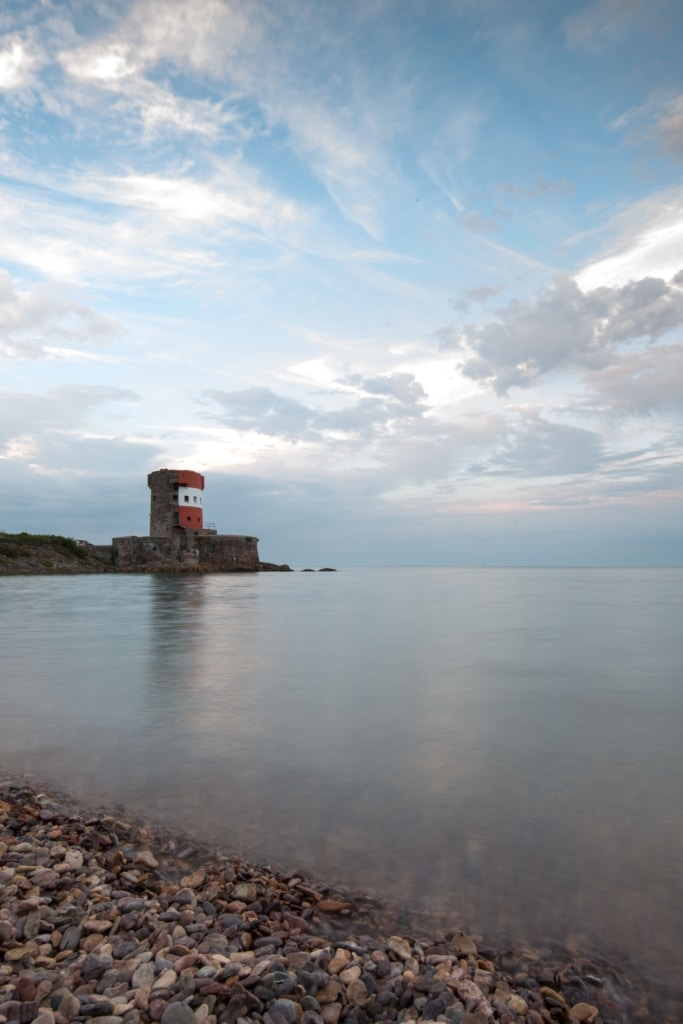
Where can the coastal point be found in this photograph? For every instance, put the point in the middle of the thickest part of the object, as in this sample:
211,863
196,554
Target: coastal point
179,541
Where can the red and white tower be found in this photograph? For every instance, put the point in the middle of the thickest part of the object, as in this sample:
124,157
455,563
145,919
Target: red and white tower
176,501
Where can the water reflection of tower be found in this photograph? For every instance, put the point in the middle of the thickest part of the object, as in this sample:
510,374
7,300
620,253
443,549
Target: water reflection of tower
177,624
175,635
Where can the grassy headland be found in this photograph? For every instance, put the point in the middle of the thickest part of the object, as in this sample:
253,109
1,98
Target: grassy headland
32,553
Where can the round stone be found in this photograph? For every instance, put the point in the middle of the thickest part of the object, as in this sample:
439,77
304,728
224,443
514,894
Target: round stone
357,993
517,1005
583,1013
177,1013
286,1008
399,947
69,1006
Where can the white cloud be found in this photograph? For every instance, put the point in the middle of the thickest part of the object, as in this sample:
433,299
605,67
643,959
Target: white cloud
639,383
566,328
98,64
161,112
96,227
33,321
314,370
365,408
16,64
262,410
468,296
538,447
649,243
259,53
207,34
113,70
26,418
235,199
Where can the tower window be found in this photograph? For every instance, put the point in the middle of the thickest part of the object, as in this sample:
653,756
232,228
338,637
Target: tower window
186,498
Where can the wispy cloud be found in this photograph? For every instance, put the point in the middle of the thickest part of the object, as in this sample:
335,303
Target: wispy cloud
670,126
647,241
600,24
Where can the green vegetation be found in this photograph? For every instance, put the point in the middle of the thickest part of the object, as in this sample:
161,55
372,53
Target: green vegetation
17,545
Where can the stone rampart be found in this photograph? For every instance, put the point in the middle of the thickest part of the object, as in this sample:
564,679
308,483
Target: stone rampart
105,552
228,552
189,551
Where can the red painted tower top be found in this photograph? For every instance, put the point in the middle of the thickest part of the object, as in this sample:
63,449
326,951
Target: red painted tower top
176,501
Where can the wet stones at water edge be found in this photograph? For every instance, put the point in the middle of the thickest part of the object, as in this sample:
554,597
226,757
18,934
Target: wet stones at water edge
104,918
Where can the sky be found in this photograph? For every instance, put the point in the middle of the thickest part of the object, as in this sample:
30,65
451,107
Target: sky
402,278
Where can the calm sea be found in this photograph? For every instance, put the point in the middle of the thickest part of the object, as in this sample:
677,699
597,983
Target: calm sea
501,746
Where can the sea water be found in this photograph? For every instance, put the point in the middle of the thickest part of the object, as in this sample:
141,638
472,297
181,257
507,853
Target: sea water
499,746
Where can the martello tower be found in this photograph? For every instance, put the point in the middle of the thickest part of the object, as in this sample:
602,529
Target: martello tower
178,540
176,502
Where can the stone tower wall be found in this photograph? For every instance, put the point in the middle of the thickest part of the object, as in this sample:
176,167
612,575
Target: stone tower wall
167,515
163,503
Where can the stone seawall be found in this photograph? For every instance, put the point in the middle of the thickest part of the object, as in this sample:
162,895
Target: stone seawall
104,552
228,552
190,551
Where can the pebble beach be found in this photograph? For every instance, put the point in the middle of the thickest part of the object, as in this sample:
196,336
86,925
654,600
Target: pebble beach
116,919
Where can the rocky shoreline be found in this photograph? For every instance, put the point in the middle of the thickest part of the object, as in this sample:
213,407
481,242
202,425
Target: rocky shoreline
108,918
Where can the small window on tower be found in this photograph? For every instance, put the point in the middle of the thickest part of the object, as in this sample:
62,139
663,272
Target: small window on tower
187,498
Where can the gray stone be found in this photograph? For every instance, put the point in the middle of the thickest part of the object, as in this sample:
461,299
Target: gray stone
143,975
285,987
92,966
207,971
272,1017
71,937
129,906
32,924
186,897
101,1008
69,1006
286,1008
177,1013
45,878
